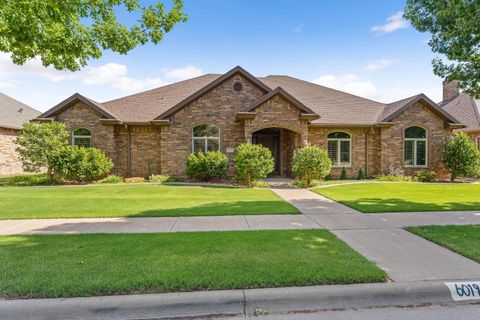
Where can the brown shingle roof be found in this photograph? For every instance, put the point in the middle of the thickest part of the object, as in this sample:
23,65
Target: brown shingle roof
465,109
333,106
13,113
146,106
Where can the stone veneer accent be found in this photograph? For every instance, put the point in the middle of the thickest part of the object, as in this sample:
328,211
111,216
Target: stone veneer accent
9,161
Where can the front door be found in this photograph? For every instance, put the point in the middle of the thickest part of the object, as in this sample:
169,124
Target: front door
270,138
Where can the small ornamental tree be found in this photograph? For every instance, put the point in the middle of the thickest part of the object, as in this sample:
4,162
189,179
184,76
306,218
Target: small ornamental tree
310,162
253,162
39,143
461,157
81,164
207,166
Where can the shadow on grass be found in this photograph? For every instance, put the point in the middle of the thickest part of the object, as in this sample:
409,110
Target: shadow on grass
377,205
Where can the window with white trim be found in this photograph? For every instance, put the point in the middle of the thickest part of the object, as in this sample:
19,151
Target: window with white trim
82,137
340,149
416,147
205,138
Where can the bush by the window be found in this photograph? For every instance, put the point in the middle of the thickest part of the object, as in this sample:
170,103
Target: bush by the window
426,176
360,175
81,164
253,162
38,143
112,179
343,174
207,166
310,163
461,157
160,178
259,184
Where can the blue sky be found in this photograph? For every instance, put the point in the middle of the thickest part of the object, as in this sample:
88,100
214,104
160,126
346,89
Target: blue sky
362,47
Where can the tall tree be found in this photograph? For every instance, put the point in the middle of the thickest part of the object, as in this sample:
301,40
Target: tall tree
67,33
455,29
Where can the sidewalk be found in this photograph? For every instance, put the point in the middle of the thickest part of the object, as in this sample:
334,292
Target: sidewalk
379,238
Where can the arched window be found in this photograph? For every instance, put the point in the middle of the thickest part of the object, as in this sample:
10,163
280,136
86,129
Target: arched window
416,147
81,137
206,137
339,149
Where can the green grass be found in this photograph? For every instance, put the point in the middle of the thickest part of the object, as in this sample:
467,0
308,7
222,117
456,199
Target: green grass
106,264
405,197
136,201
464,240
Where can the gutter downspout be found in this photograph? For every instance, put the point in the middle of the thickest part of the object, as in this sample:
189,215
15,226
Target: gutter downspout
366,152
129,151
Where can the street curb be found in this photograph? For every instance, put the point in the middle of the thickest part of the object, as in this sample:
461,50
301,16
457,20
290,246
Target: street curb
231,302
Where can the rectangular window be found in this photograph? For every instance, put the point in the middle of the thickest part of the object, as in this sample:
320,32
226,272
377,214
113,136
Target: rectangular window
333,151
206,144
199,145
82,142
344,153
421,150
409,158
415,153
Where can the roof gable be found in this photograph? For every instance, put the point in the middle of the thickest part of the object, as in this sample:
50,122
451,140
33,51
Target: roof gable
212,85
13,113
285,95
394,109
73,99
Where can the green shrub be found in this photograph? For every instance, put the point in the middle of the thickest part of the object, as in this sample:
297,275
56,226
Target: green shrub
33,180
393,178
426,176
259,184
207,166
360,175
81,164
39,143
159,178
461,157
343,174
303,184
310,163
112,179
253,162
328,177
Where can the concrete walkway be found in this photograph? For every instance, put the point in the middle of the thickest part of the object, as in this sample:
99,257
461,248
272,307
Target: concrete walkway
381,239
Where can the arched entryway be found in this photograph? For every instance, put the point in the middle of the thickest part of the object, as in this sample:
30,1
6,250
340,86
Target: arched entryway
282,143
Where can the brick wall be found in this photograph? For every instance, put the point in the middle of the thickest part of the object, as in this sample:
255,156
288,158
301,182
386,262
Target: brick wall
318,136
392,139
9,161
218,107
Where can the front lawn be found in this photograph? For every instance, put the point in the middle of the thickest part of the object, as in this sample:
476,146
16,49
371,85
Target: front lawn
464,240
405,197
136,201
106,264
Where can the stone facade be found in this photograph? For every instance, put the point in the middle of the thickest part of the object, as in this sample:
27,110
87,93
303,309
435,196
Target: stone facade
144,149
9,162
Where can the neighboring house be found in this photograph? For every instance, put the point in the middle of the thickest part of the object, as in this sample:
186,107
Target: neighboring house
464,108
13,114
155,131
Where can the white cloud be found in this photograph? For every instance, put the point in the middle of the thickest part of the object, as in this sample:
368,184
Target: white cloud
378,64
32,67
115,75
350,83
112,75
183,73
299,27
392,23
